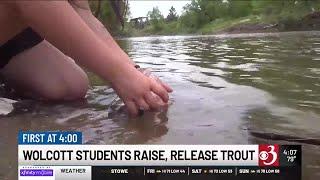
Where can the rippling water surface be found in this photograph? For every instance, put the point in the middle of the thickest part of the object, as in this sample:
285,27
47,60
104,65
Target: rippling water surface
228,89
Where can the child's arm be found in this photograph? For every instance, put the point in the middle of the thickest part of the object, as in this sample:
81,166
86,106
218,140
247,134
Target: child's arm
83,9
62,26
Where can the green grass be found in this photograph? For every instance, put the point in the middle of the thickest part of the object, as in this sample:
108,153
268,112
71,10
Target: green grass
286,21
174,28
223,24
168,28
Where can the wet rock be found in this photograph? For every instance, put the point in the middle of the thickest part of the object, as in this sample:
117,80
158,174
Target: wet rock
26,105
6,106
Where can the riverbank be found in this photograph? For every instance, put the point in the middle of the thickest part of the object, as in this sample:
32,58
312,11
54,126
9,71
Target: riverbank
249,24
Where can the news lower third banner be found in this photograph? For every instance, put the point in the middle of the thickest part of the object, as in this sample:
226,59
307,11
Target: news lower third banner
62,156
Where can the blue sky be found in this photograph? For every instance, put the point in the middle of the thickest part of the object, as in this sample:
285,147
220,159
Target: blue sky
140,8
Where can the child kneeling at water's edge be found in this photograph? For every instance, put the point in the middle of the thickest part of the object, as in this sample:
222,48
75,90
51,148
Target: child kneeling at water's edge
38,37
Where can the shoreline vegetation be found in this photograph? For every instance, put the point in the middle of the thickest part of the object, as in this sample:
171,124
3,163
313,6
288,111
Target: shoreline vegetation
205,17
248,24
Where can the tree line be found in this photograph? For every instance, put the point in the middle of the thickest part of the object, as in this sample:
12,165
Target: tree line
201,12
198,13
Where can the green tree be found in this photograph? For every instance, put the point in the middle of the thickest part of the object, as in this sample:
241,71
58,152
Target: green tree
240,8
172,16
193,16
214,9
113,14
156,19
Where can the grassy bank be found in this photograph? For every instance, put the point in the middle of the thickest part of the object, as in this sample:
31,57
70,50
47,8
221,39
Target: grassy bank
222,25
251,23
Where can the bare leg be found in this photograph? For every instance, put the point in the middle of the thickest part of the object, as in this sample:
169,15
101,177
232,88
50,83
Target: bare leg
43,72
46,73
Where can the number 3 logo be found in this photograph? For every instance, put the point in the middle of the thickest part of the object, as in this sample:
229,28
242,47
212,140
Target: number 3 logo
268,155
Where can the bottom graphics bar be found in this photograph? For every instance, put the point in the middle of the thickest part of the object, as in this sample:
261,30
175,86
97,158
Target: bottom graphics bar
158,172
198,173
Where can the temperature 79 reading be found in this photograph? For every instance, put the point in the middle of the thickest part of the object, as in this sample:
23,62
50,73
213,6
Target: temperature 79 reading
291,154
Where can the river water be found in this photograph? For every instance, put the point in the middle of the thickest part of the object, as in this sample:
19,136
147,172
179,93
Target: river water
228,89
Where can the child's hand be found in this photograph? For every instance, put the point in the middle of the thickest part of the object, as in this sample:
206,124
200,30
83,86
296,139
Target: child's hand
147,72
141,92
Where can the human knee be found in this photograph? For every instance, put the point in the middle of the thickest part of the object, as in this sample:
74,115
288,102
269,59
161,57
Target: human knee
68,89
77,89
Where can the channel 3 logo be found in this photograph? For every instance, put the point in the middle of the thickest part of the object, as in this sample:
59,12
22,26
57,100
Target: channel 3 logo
269,155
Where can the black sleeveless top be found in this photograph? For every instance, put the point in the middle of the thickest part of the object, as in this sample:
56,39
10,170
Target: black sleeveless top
26,39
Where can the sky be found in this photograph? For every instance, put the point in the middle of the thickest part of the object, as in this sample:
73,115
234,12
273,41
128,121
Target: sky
140,8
